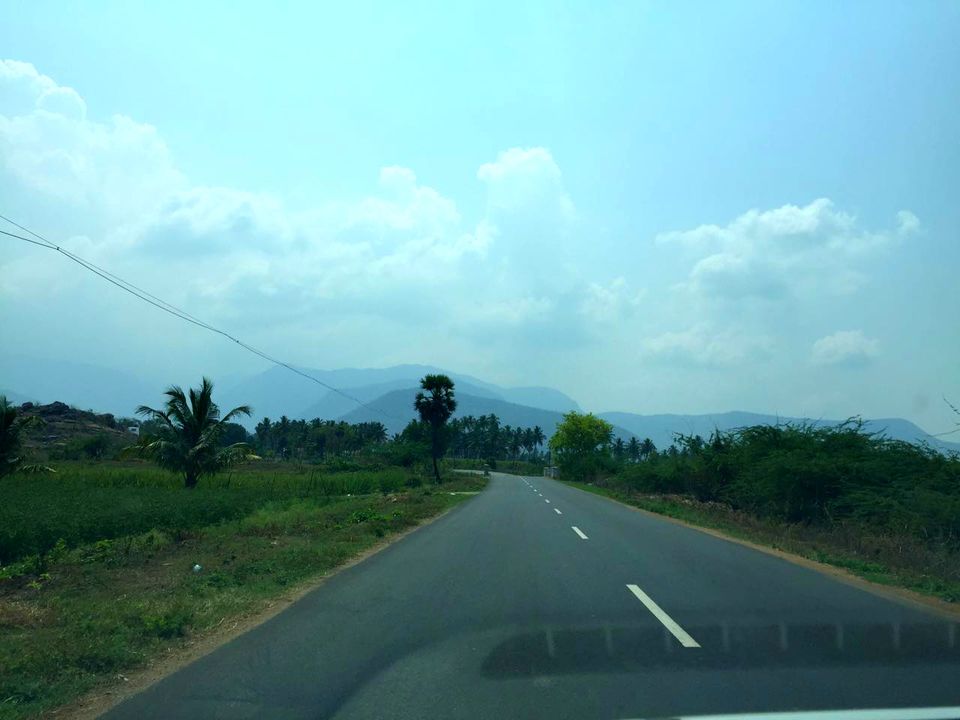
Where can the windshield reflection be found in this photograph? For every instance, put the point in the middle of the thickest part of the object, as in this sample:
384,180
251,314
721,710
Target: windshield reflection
608,648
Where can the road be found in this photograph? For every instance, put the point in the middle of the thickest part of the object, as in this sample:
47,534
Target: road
535,599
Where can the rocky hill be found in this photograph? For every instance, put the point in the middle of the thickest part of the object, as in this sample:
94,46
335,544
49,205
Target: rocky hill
64,432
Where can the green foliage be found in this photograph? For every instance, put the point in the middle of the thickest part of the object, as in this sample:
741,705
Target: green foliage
170,623
581,445
12,424
483,438
86,504
316,440
435,403
813,475
92,448
189,436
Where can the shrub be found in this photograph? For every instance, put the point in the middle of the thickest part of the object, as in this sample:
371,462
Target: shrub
812,475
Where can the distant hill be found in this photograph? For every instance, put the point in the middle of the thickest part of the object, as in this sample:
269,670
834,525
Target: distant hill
333,405
540,397
277,391
661,428
78,384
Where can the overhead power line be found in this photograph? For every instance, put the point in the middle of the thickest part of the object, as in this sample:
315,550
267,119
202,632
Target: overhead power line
170,309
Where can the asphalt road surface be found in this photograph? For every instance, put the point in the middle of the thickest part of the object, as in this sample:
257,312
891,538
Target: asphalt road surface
535,599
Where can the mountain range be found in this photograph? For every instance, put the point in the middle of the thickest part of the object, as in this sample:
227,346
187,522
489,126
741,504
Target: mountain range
378,394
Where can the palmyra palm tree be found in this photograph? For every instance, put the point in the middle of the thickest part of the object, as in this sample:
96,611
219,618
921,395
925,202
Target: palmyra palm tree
435,409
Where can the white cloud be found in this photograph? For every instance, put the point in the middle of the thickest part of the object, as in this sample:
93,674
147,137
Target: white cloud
787,251
119,170
844,347
610,303
401,253
907,223
701,345
532,217
522,178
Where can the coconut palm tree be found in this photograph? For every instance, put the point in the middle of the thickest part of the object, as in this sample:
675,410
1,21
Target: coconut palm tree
189,439
435,409
538,437
647,448
619,449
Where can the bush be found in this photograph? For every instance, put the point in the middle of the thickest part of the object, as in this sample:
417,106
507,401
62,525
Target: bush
813,475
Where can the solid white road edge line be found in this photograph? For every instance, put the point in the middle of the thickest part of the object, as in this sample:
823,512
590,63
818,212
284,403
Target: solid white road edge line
678,632
578,531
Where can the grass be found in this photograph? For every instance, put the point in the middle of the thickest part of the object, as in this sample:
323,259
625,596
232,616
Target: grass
886,560
84,503
93,607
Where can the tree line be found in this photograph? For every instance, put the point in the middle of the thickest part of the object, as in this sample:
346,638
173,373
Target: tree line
484,438
315,439
793,473
190,435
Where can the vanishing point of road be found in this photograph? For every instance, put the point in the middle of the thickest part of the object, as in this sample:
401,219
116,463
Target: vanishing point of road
535,599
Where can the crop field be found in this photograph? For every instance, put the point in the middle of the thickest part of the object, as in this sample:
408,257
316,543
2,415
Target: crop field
84,503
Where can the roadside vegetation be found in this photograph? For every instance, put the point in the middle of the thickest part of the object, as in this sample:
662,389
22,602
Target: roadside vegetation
118,546
885,509
171,566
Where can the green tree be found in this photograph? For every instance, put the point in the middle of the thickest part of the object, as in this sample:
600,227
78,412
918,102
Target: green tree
619,449
633,449
647,448
188,439
538,437
435,407
581,445
12,423
94,447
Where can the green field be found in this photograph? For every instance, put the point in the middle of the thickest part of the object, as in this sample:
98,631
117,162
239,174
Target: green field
98,559
85,503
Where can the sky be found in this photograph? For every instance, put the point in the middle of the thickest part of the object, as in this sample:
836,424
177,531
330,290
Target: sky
685,207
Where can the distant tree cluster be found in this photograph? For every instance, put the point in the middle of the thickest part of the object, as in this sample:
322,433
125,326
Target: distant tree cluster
633,451
485,438
315,440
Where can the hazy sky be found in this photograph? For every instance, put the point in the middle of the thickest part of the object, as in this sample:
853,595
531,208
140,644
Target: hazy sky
655,207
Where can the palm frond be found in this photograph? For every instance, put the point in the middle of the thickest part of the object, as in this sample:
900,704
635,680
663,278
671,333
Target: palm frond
239,410
177,407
